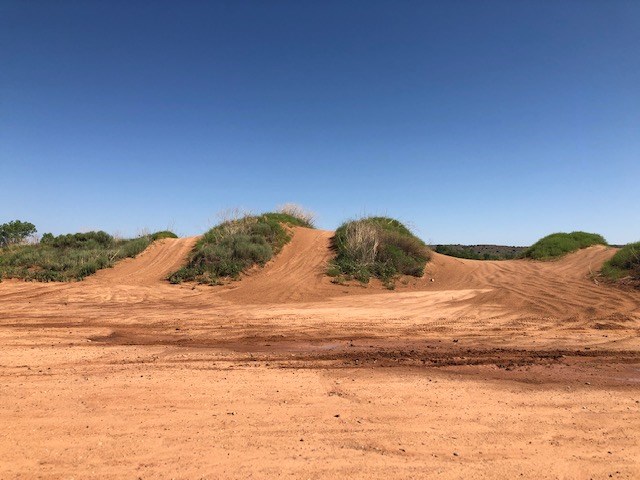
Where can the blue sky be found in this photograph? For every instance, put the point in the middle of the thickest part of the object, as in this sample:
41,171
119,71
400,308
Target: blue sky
475,122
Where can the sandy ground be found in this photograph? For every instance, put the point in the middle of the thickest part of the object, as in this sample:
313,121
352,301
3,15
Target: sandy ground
513,369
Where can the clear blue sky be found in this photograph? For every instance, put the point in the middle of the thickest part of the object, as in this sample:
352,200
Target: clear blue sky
476,122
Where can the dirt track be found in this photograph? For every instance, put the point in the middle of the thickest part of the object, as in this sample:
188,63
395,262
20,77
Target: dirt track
520,368
150,267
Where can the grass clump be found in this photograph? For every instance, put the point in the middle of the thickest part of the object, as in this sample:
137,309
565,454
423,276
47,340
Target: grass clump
559,244
67,257
378,247
236,244
625,263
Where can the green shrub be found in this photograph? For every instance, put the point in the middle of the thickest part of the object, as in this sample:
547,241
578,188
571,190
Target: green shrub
67,257
235,245
625,263
163,234
559,244
47,238
131,248
377,247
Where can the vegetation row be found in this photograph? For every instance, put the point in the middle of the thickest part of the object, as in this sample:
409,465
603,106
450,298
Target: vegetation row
379,247
68,257
481,252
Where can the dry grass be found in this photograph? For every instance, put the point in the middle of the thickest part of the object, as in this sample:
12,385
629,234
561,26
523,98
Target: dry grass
299,212
377,246
361,242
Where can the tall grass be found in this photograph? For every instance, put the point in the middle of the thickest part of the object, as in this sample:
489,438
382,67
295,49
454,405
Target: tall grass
307,217
68,257
237,243
559,244
625,263
379,247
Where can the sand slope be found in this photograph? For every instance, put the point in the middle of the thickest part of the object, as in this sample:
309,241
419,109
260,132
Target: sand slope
297,273
151,266
562,288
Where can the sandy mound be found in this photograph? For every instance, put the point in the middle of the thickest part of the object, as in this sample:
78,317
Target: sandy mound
296,274
151,266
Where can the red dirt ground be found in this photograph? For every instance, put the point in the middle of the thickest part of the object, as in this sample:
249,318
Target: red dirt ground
510,369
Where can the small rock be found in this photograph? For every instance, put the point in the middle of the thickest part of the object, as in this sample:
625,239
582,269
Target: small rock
455,454
337,416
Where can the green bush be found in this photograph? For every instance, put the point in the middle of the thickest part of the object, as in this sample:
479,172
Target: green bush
625,263
67,257
559,244
377,247
163,234
235,245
